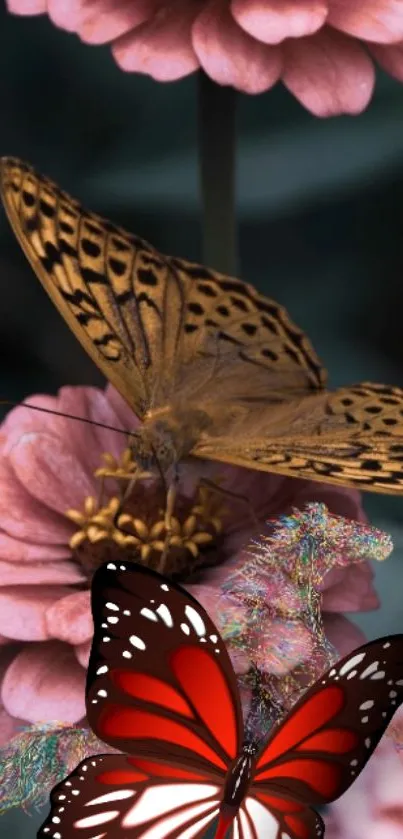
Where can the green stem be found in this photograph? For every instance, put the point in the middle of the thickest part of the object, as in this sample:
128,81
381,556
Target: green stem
217,140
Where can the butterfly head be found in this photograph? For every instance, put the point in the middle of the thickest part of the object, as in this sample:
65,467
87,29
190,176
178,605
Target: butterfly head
166,437
154,449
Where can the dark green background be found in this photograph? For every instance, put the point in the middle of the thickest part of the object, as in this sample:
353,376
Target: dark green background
320,208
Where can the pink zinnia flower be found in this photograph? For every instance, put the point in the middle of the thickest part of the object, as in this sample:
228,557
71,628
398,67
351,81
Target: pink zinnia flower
373,807
322,50
47,468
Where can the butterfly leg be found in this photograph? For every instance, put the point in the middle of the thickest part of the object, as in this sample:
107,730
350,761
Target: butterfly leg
169,510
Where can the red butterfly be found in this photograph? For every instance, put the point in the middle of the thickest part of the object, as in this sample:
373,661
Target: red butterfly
161,688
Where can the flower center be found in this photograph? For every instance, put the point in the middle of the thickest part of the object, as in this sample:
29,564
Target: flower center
130,520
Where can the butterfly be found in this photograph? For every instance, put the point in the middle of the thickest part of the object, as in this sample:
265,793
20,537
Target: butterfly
161,688
213,369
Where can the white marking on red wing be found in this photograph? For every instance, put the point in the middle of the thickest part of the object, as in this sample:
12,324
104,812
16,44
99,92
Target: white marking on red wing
137,642
163,798
265,824
149,614
370,669
196,827
355,659
166,826
245,831
165,615
196,620
99,818
117,795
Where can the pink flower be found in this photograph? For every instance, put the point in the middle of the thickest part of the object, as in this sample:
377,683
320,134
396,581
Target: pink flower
47,467
322,50
373,807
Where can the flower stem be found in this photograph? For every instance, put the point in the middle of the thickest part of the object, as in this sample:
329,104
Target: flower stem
217,141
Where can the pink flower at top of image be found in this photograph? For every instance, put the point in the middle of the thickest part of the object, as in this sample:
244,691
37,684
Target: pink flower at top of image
322,50
47,467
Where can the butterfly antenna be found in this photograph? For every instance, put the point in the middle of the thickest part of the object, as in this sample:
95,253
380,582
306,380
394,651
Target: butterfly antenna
67,416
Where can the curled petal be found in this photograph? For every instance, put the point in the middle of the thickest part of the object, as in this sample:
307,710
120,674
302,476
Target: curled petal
45,682
102,21
371,20
69,618
162,46
82,652
23,610
329,73
271,21
229,55
27,7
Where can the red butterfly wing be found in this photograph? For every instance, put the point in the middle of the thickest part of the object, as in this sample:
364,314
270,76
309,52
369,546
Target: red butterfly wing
160,681
324,743
273,816
118,797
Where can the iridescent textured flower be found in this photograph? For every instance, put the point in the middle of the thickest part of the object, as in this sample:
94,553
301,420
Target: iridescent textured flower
322,50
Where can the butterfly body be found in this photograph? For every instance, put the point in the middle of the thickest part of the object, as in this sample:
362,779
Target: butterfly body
161,690
234,379
167,437
238,781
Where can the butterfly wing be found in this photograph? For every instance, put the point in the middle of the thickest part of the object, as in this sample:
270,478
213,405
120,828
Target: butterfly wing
277,817
117,797
315,754
157,327
160,682
352,437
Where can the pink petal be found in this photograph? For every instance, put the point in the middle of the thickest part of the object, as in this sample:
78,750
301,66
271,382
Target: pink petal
23,610
350,589
24,517
70,619
48,469
8,724
371,20
161,47
271,21
88,442
104,20
343,634
14,550
23,419
390,59
44,683
229,55
40,573
26,7
329,73
82,652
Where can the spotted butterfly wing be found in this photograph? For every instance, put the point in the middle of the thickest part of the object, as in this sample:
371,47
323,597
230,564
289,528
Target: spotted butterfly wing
167,333
332,731
161,687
